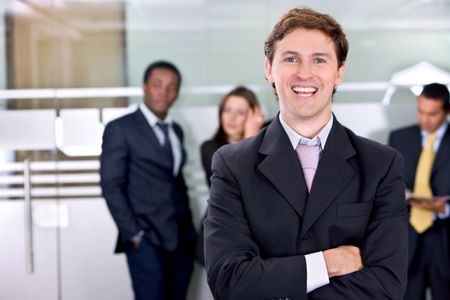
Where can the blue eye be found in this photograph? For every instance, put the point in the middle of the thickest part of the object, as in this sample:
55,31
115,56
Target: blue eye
319,60
291,59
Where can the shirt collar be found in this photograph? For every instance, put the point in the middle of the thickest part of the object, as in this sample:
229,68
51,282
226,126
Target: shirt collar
439,132
296,138
151,118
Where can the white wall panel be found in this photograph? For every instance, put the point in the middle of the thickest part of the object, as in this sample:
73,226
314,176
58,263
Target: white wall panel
27,129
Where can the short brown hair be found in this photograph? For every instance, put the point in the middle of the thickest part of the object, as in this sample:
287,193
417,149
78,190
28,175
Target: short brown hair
308,19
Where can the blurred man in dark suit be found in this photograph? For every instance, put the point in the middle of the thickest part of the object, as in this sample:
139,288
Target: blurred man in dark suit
142,182
426,150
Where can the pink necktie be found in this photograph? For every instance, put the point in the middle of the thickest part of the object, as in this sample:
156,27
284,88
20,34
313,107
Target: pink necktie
309,159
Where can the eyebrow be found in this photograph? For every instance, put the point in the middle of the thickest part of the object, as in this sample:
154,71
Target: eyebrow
321,54
291,52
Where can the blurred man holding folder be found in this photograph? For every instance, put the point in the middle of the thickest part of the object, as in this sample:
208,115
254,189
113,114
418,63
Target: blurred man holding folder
426,150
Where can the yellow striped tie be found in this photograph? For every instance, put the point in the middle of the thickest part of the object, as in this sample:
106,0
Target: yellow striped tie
421,219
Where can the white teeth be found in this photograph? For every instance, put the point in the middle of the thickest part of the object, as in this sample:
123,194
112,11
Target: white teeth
304,90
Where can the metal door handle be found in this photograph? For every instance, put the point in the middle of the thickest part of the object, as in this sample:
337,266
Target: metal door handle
29,263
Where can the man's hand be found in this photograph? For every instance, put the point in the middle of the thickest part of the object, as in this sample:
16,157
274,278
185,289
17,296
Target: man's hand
342,260
137,239
436,205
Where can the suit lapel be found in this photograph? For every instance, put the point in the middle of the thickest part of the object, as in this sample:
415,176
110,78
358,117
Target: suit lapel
150,138
281,166
443,151
179,132
415,144
333,173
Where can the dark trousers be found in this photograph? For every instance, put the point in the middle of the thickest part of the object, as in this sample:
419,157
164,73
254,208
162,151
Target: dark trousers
429,265
157,274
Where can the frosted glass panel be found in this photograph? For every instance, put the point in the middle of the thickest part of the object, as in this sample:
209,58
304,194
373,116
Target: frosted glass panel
80,126
199,123
27,129
15,283
109,114
79,132
375,120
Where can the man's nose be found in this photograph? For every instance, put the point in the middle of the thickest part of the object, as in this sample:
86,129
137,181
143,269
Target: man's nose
304,71
164,93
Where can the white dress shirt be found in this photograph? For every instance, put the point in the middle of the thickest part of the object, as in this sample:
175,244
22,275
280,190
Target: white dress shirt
316,269
152,119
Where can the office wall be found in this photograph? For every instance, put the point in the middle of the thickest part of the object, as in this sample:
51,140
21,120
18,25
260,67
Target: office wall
2,49
64,44
220,43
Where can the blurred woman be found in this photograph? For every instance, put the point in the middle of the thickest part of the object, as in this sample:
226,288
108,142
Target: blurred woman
239,117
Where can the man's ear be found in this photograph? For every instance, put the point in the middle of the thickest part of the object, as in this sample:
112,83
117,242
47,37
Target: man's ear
268,70
341,71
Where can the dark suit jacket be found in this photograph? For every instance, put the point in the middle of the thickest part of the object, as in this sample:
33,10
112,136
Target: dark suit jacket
139,186
408,141
261,221
207,150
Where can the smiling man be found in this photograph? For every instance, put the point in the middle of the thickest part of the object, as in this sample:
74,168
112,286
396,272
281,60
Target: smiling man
306,209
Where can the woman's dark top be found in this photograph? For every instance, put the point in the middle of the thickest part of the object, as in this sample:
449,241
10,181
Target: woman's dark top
207,150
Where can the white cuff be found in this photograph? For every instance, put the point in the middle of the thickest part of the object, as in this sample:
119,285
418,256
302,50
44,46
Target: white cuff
446,213
316,271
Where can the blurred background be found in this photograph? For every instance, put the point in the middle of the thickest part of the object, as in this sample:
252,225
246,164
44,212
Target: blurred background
67,67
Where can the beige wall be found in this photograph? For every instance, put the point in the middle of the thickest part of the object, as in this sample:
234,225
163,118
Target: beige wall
59,46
